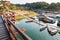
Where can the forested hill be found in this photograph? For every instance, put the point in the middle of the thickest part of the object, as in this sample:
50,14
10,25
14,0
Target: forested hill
42,6
9,5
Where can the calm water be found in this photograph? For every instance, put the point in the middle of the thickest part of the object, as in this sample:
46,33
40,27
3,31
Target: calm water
33,31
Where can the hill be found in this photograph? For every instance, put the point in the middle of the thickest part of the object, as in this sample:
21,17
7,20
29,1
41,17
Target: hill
42,6
7,4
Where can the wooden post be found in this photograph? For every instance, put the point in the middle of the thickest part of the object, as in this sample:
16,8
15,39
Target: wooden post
13,19
12,32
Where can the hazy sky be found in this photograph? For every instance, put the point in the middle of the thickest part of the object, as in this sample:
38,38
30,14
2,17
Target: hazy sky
29,1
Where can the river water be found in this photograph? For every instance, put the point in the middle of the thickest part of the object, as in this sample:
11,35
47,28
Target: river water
33,31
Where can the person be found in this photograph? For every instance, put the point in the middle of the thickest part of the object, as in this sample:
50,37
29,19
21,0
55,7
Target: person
13,17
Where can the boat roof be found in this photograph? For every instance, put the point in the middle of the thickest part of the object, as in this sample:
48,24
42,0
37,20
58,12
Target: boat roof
58,15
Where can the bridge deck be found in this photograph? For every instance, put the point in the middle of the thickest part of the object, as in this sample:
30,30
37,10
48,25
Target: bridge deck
4,35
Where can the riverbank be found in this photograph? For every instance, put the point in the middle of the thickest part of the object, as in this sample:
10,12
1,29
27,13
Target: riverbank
19,17
24,12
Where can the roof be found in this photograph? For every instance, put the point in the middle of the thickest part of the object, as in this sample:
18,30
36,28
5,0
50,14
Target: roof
58,15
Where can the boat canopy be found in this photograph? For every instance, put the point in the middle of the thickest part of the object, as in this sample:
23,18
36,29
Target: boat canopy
58,15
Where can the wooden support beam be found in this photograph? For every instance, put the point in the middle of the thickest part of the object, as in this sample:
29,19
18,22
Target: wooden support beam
12,32
24,36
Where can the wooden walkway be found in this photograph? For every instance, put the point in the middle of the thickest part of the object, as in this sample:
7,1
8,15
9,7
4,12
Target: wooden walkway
4,35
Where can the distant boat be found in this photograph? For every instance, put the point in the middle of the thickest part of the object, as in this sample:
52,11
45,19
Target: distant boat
46,19
43,28
29,21
32,18
58,16
59,31
52,30
58,24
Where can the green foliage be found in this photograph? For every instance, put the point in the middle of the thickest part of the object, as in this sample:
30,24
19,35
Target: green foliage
42,6
13,7
9,6
19,17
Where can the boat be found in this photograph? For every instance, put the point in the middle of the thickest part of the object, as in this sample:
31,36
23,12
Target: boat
58,16
29,21
52,30
43,28
59,31
32,18
58,24
46,19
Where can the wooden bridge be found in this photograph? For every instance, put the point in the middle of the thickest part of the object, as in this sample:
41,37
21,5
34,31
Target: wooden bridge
8,28
4,34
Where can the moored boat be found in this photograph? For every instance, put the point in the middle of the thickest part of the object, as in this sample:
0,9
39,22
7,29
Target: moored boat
46,19
29,21
58,24
59,31
52,30
43,28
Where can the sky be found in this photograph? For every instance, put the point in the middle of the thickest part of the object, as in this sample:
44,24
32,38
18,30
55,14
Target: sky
30,1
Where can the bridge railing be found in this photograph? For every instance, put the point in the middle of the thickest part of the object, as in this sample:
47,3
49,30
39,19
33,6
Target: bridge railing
24,36
10,31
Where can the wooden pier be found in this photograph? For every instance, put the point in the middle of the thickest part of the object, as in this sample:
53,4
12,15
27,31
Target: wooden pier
41,23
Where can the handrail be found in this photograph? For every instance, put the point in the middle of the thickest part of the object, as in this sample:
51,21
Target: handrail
5,26
12,34
10,31
24,36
